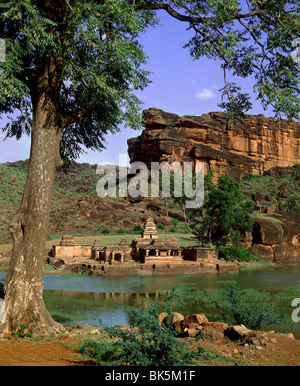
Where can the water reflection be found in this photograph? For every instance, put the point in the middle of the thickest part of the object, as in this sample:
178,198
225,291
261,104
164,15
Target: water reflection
71,307
80,299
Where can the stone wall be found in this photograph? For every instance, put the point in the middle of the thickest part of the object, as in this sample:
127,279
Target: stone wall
70,251
193,254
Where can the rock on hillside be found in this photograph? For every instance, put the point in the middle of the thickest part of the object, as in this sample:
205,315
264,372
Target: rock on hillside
277,237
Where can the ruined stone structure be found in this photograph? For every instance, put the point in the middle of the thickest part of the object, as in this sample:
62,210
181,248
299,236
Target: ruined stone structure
228,147
117,252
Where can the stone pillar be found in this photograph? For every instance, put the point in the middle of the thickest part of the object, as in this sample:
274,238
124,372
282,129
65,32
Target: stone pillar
147,252
156,252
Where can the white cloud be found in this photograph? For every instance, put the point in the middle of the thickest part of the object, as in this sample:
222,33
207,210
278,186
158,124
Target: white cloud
204,94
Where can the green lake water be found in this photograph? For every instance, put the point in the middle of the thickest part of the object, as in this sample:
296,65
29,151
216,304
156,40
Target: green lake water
73,299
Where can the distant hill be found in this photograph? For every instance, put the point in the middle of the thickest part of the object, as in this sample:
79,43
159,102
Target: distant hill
77,209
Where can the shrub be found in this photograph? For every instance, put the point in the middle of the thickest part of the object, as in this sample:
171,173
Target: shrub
147,345
174,222
234,252
137,228
292,204
22,332
252,308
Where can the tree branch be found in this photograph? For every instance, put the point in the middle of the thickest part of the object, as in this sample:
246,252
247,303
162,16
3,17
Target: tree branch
199,19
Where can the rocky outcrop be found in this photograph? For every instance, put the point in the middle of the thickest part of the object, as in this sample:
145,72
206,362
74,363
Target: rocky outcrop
195,325
228,147
276,238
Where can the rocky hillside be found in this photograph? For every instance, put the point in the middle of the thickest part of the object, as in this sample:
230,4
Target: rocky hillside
77,209
232,148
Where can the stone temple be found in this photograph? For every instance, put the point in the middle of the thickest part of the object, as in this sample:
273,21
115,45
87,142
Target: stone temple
149,248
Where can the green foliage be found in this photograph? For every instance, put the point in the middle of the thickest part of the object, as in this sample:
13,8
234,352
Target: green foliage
292,204
252,308
148,345
234,252
253,38
174,222
22,332
137,228
230,215
97,58
224,215
96,61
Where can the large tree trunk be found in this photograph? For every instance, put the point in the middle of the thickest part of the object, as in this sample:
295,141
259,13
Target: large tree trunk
24,281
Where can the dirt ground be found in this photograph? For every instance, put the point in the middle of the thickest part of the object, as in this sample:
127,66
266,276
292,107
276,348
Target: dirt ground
63,351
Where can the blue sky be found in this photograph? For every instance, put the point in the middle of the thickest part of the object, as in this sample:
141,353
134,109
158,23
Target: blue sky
179,85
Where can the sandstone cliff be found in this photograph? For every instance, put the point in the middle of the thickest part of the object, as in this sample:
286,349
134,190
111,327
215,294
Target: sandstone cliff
227,147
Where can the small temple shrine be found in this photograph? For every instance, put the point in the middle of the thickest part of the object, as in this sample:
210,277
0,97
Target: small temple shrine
151,247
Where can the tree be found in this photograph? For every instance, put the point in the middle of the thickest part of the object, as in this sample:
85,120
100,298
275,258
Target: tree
229,215
224,215
71,70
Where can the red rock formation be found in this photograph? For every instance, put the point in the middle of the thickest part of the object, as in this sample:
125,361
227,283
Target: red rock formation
227,147
277,237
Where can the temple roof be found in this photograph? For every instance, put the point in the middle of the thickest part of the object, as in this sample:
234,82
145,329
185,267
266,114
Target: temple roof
162,244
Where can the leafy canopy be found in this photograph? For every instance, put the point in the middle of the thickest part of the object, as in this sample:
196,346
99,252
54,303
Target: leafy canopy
225,214
94,59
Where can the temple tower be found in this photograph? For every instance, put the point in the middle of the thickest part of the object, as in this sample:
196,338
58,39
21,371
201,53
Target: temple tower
150,231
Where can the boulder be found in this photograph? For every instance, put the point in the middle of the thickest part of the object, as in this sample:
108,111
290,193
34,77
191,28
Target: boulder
161,317
219,326
193,320
240,333
176,317
212,333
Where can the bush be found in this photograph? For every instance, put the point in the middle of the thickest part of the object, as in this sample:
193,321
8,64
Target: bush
147,345
292,204
252,308
137,228
235,252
